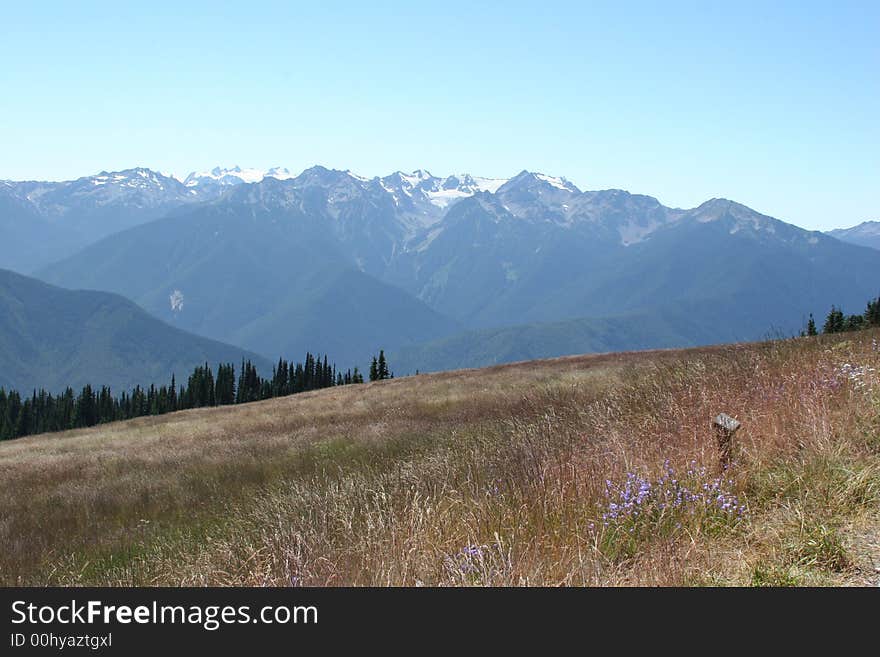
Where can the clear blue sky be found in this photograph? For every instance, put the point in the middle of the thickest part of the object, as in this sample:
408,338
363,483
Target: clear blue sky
773,104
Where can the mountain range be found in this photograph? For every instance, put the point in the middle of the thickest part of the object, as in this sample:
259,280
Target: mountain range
441,271
51,220
43,221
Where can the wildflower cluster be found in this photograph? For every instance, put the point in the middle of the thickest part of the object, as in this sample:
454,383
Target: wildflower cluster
469,560
773,391
642,504
860,376
478,564
827,378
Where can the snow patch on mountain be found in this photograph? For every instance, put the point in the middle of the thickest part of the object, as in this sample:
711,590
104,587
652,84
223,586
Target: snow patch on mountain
235,176
442,198
356,176
176,300
490,185
416,178
129,178
419,191
456,187
559,183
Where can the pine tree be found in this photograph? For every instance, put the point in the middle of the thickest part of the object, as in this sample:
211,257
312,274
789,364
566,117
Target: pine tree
811,326
3,402
172,394
23,427
13,409
872,313
374,369
382,366
854,323
834,322
210,400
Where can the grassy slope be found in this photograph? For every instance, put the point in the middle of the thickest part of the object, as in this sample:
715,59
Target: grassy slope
492,476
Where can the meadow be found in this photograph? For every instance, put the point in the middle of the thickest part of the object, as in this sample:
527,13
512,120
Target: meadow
589,470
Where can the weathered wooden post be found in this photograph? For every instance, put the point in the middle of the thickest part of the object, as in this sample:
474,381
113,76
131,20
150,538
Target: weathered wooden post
725,426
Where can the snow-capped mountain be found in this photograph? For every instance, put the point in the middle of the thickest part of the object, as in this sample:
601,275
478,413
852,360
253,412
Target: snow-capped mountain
417,199
538,196
74,213
380,217
139,187
420,197
223,177
440,192
392,209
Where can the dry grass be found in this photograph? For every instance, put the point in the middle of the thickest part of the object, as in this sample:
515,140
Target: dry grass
486,477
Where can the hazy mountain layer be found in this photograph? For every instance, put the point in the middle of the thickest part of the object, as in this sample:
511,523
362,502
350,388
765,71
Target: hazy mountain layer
52,338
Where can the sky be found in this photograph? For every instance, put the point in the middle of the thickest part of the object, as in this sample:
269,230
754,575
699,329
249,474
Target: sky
772,104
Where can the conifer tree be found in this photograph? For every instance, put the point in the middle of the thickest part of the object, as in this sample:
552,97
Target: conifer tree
872,313
854,323
172,394
834,322
382,366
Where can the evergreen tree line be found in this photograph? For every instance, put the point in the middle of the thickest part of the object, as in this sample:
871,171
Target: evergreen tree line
43,412
379,368
837,322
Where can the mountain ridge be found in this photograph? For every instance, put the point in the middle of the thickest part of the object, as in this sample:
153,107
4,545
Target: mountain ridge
866,233
53,338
